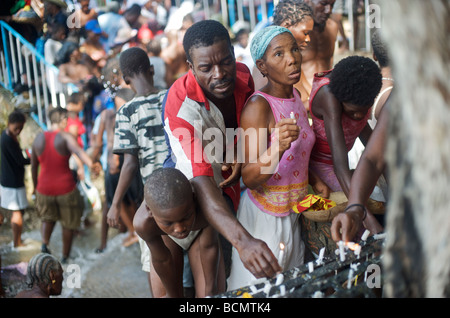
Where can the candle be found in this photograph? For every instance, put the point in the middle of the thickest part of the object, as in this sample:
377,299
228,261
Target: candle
279,280
281,254
311,267
349,278
319,261
292,115
365,235
380,236
321,253
282,290
341,251
357,250
267,288
353,268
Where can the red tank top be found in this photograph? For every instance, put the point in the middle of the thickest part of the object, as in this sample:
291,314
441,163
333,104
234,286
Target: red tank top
55,177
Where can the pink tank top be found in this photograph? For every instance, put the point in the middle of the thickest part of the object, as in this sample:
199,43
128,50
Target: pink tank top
289,184
352,128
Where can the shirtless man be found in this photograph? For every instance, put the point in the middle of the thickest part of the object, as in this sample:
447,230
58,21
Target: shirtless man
86,13
318,56
71,70
174,55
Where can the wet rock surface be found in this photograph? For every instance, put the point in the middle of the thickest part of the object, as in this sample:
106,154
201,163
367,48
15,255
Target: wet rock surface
115,273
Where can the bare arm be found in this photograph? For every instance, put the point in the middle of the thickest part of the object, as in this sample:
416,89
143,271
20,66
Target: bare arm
76,150
127,173
39,140
161,257
327,107
369,169
96,150
254,253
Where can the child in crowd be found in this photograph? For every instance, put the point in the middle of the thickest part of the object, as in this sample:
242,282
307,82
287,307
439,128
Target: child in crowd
171,210
133,196
12,185
340,104
75,105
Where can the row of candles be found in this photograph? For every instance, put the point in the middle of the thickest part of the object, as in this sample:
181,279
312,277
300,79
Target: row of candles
355,247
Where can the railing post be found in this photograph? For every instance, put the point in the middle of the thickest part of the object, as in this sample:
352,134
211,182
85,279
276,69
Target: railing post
13,57
8,63
224,10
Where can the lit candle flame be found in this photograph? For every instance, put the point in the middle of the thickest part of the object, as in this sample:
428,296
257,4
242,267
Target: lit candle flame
281,246
351,245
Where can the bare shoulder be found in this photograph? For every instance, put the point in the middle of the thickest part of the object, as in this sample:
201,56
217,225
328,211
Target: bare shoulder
256,111
145,225
324,103
332,27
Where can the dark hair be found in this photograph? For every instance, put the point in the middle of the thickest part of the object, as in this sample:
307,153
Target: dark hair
292,11
356,80
134,61
204,33
167,188
56,115
154,47
75,98
63,55
135,9
379,49
59,27
17,116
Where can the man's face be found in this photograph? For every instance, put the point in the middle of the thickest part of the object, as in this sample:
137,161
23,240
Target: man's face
214,68
322,10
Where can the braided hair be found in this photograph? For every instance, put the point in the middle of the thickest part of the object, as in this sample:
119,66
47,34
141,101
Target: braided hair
39,268
292,12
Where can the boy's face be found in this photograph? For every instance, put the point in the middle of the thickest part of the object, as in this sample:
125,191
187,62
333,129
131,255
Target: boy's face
15,128
75,107
178,221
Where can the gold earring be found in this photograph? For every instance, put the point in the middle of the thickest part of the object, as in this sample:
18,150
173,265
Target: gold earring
53,281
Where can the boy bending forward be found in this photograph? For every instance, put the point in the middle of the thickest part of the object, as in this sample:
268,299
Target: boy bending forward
171,222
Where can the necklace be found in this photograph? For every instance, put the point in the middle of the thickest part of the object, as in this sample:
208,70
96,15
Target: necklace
387,79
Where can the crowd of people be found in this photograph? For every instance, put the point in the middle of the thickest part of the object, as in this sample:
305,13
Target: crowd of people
156,98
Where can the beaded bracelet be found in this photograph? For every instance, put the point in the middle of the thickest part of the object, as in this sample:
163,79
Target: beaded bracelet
360,205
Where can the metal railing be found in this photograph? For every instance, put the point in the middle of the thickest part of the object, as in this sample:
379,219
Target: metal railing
21,63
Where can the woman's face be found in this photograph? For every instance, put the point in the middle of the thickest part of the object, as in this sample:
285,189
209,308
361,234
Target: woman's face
282,60
354,111
301,31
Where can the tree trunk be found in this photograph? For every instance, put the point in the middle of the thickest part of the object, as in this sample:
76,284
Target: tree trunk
417,254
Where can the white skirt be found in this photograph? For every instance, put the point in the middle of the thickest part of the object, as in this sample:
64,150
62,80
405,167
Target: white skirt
13,199
272,230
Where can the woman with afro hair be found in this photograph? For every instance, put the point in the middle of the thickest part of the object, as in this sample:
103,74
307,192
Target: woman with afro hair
340,105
